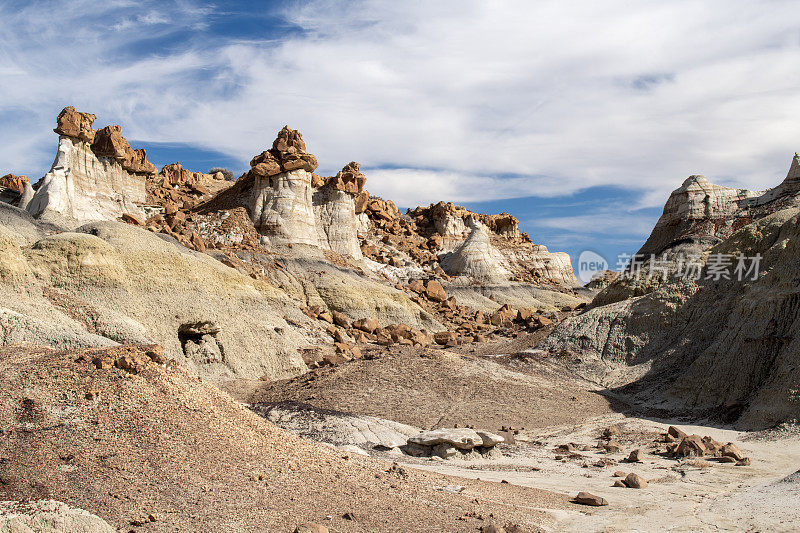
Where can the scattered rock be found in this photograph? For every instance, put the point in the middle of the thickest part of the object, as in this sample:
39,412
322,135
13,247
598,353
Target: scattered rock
586,498
636,456
691,446
462,438
733,451
635,481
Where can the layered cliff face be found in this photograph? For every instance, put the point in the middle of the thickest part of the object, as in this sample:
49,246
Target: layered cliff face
717,344
96,175
697,216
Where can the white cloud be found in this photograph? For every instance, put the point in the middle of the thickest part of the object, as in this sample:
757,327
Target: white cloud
471,100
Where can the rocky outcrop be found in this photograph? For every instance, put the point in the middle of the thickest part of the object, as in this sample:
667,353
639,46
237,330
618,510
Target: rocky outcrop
95,175
111,283
476,258
49,516
697,216
290,205
499,252
725,346
15,190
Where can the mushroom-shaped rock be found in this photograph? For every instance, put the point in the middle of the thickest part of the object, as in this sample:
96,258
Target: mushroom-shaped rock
462,438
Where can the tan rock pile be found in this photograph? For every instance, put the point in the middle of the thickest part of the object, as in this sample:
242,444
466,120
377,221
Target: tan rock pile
288,153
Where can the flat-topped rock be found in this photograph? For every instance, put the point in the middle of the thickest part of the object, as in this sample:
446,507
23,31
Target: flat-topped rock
462,438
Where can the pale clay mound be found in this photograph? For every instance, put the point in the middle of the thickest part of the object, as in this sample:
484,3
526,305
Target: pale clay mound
157,441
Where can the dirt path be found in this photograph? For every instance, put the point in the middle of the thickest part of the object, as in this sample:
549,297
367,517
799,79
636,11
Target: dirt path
681,495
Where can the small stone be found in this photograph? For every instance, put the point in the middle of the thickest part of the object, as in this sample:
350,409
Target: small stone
732,450
635,481
619,483
611,431
676,433
620,473
586,498
744,461
636,456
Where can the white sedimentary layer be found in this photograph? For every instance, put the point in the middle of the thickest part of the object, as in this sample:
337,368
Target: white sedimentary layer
476,257
287,210
337,223
82,187
282,209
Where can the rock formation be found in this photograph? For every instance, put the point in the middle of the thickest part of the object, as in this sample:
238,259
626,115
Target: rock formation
290,205
723,345
95,175
15,190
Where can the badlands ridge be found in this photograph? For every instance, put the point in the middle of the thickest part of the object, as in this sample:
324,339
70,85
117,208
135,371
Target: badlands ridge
285,351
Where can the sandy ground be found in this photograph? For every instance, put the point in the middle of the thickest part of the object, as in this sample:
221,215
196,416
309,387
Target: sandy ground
684,495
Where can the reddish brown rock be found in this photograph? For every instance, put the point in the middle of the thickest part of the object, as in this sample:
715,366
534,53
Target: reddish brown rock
13,182
676,433
361,202
349,179
586,498
75,124
446,338
109,142
340,319
367,325
733,451
435,292
635,481
691,446
636,456
288,153
132,219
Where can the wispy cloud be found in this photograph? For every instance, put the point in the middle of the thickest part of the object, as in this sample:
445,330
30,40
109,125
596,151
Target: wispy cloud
469,100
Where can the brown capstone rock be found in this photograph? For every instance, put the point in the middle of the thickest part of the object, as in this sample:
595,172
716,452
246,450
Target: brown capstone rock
75,124
349,179
16,183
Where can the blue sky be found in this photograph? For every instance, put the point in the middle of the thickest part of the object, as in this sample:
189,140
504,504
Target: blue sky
577,117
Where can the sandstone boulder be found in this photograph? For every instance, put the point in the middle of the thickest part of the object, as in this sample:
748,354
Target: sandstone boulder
461,438
586,498
635,481
434,291
733,451
691,446
75,124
